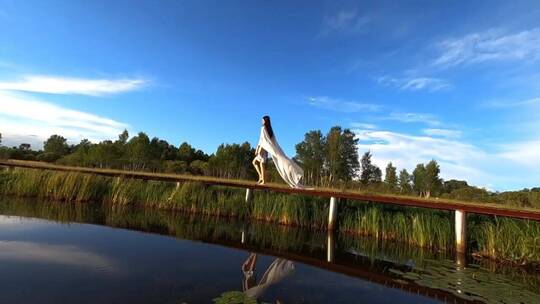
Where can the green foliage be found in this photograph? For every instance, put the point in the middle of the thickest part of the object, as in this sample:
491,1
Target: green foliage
341,155
137,153
419,179
48,157
188,154
232,161
56,145
311,154
525,197
433,181
470,194
390,178
426,180
23,152
294,210
371,174
234,297
405,186
412,226
452,185
329,160
517,240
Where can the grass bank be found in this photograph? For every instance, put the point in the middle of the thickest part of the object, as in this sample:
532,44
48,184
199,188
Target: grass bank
517,241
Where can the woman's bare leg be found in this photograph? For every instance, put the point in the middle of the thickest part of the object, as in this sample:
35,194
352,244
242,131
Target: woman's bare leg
262,173
254,162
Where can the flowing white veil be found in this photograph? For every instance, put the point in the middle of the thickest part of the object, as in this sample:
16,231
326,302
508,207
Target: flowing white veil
287,168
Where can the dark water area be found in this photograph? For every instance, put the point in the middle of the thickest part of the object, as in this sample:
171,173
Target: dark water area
53,252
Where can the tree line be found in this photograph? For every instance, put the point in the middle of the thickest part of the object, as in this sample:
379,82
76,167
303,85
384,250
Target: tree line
328,160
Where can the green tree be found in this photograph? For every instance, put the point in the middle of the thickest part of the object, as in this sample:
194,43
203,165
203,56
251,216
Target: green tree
390,177
56,144
451,185
341,155
371,174
54,147
198,167
426,180
419,179
200,155
405,182
139,151
24,147
232,161
179,167
123,137
80,156
121,147
185,153
106,155
310,153
161,150
349,154
433,181
334,162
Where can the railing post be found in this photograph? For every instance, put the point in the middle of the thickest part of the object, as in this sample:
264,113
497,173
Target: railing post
332,214
330,245
461,231
249,195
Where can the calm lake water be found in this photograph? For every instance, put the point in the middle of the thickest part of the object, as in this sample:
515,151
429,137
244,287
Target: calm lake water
62,253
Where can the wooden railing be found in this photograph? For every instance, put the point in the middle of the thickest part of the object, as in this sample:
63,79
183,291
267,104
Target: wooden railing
458,207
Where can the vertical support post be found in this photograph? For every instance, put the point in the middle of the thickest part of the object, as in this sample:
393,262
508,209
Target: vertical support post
249,195
332,214
461,231
330,245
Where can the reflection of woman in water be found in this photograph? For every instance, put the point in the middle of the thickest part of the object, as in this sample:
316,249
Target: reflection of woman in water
277,271
286,167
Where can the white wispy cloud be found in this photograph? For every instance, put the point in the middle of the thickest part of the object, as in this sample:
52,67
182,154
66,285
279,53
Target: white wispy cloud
30,252
525,153
448,133
409,117
65,85
362,125
490,45
415,83
512,166
339,105
513,104
348,21
456,158
24,118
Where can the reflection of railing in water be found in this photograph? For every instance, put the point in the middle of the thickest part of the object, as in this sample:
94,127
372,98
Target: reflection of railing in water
348,264
318,250
365,258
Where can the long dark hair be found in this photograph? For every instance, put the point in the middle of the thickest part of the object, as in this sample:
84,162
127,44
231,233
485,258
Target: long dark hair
268,126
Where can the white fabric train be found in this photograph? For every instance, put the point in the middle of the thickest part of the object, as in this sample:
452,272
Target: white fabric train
287,168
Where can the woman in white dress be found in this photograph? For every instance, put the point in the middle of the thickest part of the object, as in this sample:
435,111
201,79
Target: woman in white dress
286,167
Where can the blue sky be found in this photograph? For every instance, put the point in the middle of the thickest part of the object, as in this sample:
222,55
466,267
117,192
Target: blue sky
457,82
